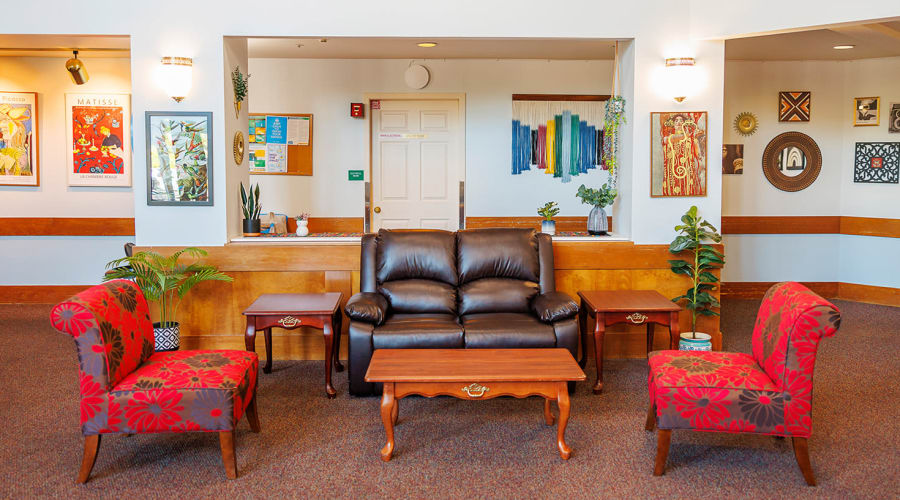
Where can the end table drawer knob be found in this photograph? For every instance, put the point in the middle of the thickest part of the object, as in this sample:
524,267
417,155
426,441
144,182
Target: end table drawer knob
289,321
636,318
475,390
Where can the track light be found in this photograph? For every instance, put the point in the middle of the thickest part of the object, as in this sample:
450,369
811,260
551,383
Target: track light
77,70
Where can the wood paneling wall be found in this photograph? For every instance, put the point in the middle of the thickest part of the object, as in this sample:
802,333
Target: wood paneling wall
828,289
66,226
562,223
831,224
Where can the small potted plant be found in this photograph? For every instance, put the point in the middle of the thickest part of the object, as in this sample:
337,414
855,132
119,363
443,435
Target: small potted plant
598,198
164,281
548,212
693,236
302,224
251,207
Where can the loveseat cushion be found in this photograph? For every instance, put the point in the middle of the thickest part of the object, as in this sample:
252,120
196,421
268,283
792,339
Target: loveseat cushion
497,253
506,330
404,255
419,296
489,295
404,331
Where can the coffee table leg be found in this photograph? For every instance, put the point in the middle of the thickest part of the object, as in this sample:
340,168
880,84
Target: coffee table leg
548,415
599,331
562,399
268,335
387,418
329,355
338,325
582,333
674,330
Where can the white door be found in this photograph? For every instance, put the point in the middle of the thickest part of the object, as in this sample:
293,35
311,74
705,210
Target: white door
416,166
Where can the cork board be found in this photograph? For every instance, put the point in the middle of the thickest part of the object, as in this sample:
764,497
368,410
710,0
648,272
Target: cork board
299,157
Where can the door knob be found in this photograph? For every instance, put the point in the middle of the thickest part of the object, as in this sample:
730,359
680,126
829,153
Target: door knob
377,210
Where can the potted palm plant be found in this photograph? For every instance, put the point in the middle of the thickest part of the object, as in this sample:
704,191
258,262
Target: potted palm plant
251,207
548,212
164,281
693,236
598,198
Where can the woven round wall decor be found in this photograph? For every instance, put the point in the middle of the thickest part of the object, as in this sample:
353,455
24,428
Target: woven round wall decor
792,161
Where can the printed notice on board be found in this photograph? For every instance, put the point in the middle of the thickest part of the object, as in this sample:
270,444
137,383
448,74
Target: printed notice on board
257,157
276,157
276,129
298,131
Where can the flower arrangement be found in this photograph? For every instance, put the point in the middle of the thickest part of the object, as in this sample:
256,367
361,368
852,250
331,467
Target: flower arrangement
549,210
302,217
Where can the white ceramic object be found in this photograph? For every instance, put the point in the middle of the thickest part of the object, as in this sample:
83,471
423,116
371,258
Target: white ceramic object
302,227
548,227
701,343
417,76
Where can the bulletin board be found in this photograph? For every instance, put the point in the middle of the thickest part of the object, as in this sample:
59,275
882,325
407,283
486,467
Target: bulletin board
299,157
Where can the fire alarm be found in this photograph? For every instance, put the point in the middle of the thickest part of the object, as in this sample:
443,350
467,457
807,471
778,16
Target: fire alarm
357,110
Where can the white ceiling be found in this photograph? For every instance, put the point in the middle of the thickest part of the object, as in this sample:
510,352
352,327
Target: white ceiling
871,40
447,48
62,45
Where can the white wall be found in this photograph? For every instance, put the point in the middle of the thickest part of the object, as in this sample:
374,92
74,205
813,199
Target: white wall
326,87
60,260
754,86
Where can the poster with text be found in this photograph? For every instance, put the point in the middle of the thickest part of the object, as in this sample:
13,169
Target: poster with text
98,130
19,139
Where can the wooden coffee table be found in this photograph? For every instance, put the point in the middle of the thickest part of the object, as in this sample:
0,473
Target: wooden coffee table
635,307
474,374
293,310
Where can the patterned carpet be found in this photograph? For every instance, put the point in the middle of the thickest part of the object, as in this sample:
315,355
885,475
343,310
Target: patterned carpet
446,448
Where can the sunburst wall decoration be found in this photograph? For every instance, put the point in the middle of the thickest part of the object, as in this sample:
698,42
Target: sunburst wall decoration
746,123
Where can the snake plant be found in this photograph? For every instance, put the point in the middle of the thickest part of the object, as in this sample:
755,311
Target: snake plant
250,203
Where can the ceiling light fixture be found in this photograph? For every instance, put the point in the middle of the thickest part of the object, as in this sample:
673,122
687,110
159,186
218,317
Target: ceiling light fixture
843,47
427,45
77,70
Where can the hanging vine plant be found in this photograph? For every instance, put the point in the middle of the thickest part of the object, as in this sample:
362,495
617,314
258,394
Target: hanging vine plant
615,117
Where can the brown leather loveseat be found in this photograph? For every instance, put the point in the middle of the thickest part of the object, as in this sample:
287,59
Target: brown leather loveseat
481,288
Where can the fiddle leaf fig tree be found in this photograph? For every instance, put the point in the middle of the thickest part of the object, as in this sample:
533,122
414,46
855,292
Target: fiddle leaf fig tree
694,237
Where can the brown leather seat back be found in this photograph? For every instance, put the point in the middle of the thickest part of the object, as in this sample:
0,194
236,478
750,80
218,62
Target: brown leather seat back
499,270
416,270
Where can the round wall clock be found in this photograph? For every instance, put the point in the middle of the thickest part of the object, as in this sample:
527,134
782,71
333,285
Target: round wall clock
792,161
238,147
746,123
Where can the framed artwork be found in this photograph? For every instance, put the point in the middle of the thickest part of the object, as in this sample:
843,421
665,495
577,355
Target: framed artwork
98,130
877,162
732,158
866,111
179,158
794,106
678,160
19,165
894,117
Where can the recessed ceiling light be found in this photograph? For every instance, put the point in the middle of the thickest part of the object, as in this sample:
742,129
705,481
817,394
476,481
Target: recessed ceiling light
843,47
427,45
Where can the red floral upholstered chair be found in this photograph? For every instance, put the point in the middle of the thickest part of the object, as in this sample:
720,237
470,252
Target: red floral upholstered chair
769,392
126,387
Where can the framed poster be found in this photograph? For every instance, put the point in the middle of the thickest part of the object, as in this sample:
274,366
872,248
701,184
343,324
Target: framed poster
866,111
98,130
179,158
732,158
794,106
678,160
894,117
19,165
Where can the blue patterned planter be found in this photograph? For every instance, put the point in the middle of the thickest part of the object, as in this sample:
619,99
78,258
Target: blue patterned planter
548,226
701,343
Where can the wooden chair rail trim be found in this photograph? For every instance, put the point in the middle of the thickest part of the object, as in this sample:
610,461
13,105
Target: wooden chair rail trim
828,224
568,223
66,226
829,289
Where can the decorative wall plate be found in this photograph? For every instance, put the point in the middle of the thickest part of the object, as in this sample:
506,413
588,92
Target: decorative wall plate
792,161
746,123
238,147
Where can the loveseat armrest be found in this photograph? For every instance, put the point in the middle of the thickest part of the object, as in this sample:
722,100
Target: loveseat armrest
554,306
368,307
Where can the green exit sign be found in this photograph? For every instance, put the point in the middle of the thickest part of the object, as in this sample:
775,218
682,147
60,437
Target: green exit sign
354,175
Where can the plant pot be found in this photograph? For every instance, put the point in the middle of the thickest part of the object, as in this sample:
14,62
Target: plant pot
548,226
166,336
237,109
700,343
251,227
302,227
597,223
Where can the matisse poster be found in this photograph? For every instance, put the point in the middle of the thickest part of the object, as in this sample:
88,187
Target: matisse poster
98,130
18,139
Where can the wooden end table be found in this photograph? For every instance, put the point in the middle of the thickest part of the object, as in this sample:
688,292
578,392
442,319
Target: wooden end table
293,310
474,374
635,307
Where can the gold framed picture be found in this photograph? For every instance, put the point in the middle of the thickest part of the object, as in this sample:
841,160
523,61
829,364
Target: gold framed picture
678,158
866,111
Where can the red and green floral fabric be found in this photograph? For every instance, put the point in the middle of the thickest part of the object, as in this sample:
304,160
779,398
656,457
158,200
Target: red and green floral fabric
769,392
127,387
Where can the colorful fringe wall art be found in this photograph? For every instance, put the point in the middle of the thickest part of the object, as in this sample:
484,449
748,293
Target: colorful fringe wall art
562,138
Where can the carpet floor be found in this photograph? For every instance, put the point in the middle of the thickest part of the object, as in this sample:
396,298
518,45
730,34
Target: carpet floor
447,448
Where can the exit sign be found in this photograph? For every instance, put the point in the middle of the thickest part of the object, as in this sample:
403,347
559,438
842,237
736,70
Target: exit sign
354,175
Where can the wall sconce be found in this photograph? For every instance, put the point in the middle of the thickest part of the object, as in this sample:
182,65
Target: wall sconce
176,76
77,70
679,76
